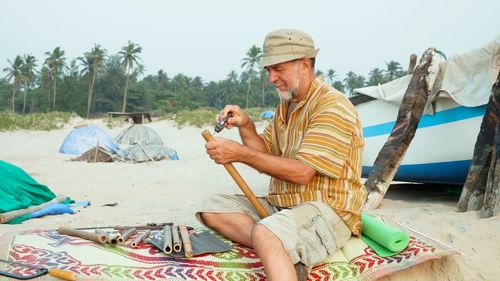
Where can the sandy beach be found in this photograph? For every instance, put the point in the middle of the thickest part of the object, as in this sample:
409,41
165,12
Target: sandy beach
170,191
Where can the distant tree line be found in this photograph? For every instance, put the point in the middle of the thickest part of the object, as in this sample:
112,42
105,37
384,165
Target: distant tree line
99,82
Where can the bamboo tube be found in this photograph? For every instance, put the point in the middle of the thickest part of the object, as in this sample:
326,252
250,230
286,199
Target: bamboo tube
101,235
140,238
126,235
240,182
186,241
176,239
5,217
79,233
167,239
113,238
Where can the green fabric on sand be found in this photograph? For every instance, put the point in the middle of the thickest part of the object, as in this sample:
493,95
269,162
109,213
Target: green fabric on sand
18,190
383,238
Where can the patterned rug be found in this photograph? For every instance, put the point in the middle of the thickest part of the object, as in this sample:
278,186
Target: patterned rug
91,261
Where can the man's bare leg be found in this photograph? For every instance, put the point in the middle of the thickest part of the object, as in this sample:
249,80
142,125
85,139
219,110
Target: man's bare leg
235,226
275,258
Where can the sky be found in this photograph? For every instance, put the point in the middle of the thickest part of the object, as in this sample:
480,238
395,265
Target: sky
209,38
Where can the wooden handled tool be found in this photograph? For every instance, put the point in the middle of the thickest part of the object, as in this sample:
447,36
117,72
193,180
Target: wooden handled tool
240,182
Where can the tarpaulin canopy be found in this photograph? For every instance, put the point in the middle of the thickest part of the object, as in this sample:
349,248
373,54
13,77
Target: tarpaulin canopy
85,138
18,190
139,134
149,152
268,114
466,78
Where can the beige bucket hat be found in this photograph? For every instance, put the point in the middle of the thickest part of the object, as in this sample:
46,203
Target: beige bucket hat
285,45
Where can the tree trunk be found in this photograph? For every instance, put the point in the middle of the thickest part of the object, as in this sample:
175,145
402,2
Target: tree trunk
392,153
125,91
248,92
91,89
55,93
263,95
25,94
14,98
472,196
482,186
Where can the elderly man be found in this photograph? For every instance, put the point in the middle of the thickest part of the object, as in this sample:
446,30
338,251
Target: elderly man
312,151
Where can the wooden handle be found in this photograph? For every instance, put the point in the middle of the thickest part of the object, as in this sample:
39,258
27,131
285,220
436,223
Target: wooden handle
240,182
62,274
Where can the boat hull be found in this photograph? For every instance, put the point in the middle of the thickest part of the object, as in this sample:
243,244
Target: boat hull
443,145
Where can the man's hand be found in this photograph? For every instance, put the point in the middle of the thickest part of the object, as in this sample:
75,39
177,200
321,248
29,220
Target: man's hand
224,151
240,118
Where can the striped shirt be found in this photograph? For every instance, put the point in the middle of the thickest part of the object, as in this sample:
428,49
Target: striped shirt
324,132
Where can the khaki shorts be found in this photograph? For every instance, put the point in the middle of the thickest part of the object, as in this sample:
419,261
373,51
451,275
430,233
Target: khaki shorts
309,232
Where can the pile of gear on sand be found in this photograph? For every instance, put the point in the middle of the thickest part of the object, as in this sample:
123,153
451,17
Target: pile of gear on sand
136,143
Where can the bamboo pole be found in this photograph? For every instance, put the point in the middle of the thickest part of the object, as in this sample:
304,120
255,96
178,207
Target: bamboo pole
186,241
176,240
6,217
140,238
167,239
240,182
80,234
126,235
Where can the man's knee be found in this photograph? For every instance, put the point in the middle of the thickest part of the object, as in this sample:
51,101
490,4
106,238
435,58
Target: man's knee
210,219
262,237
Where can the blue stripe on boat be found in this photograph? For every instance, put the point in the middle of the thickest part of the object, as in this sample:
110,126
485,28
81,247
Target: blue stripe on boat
442,117
453,172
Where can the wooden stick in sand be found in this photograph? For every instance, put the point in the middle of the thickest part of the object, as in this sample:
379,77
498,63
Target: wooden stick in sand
140,238
240,182
176,239
186,241
167,239
5,217
80,234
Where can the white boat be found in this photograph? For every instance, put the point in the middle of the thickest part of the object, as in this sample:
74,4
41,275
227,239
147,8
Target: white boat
443,145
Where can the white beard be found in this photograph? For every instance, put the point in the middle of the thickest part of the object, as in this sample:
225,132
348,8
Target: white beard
285,95
289,93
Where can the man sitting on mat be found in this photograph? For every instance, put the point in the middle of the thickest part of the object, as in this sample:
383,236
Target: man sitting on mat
312,151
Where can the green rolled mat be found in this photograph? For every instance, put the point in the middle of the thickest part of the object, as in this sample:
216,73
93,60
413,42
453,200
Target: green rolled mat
383,238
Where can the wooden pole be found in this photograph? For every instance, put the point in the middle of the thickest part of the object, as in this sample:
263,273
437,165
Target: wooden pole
240,182
80,234
392,153
482,186
412,63
5,217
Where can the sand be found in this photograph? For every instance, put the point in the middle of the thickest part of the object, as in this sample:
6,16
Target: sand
171,191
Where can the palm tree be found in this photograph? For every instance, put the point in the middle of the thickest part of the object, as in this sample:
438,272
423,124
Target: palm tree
14,72
331,74
353,81
92,63
376,77
28,75
253,58
129,57
394,70
55,61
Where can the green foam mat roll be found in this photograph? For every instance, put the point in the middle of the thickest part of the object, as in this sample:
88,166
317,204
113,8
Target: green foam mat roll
384,239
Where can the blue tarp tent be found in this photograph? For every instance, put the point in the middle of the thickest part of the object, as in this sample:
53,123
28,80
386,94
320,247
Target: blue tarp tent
82,139
269,114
